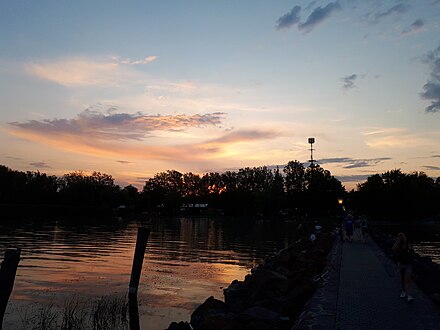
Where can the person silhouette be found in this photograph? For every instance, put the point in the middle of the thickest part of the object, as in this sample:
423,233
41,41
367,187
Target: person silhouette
349,228
403,252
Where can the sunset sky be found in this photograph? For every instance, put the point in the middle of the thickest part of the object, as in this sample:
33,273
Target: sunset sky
135,88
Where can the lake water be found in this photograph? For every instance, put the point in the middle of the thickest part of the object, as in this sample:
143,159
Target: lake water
187,260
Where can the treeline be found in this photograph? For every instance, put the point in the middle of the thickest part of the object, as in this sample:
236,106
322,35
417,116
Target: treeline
257,190
294,190
398,195
76,188
248,191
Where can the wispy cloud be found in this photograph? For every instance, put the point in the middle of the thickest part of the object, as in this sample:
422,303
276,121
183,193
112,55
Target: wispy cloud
349,81
85,72
40,165
317,16
289,19
238,136
432,87
397,9
145,60
354,163
353,178
415,27
384,138
112,125
125,162
245,135
14,158
430,167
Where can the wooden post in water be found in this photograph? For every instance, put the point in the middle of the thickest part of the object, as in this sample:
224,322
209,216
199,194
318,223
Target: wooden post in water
8,269
138,259
133,312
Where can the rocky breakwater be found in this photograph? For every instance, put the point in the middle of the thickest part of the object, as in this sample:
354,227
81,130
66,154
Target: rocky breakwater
425,273
271,296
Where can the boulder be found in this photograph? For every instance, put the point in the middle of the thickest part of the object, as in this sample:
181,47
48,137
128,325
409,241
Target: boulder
179,326
210,307
218,321
235,295
262,314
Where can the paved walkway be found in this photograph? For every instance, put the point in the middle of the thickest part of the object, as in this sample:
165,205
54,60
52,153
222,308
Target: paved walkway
362,292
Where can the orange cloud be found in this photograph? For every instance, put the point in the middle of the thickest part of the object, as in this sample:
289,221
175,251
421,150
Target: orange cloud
110,125
130,135
83,145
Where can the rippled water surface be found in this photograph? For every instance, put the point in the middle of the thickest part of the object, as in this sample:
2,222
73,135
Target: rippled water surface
187,260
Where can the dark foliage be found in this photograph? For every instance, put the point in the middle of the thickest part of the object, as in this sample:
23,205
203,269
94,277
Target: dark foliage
299,191
396,194
248,191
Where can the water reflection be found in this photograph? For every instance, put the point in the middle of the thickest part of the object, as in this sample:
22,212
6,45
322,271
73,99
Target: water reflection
187,260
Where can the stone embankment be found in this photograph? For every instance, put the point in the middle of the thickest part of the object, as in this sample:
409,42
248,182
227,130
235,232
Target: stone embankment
272,296
425,273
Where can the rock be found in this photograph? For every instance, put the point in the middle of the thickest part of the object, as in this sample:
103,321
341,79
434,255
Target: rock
295,300
236,305
261,313
236,295
179,326
210,307
259,325
435,297
273,304
218,322
283,271
263,277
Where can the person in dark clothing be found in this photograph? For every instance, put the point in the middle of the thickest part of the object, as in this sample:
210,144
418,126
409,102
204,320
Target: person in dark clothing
364,224
403,253
349,228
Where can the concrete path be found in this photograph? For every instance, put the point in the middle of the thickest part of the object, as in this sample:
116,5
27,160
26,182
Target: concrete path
362,292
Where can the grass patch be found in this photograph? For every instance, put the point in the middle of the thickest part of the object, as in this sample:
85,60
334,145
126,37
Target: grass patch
106,312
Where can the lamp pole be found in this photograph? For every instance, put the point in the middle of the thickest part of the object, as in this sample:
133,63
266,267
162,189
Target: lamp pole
312,161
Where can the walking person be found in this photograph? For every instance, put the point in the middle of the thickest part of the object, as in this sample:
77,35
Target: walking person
403,253
349,228
364,225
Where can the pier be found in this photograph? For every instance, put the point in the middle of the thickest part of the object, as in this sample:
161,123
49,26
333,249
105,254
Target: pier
361,291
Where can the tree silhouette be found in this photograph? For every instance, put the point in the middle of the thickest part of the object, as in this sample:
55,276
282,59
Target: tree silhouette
97,189
399,195
248,191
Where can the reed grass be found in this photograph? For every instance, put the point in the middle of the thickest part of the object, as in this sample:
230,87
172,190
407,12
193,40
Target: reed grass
107,312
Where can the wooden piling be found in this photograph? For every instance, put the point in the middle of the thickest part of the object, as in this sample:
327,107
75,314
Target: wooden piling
138,259
133,312
8,269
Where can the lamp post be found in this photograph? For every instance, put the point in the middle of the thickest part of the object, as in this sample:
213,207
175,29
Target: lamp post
311,141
